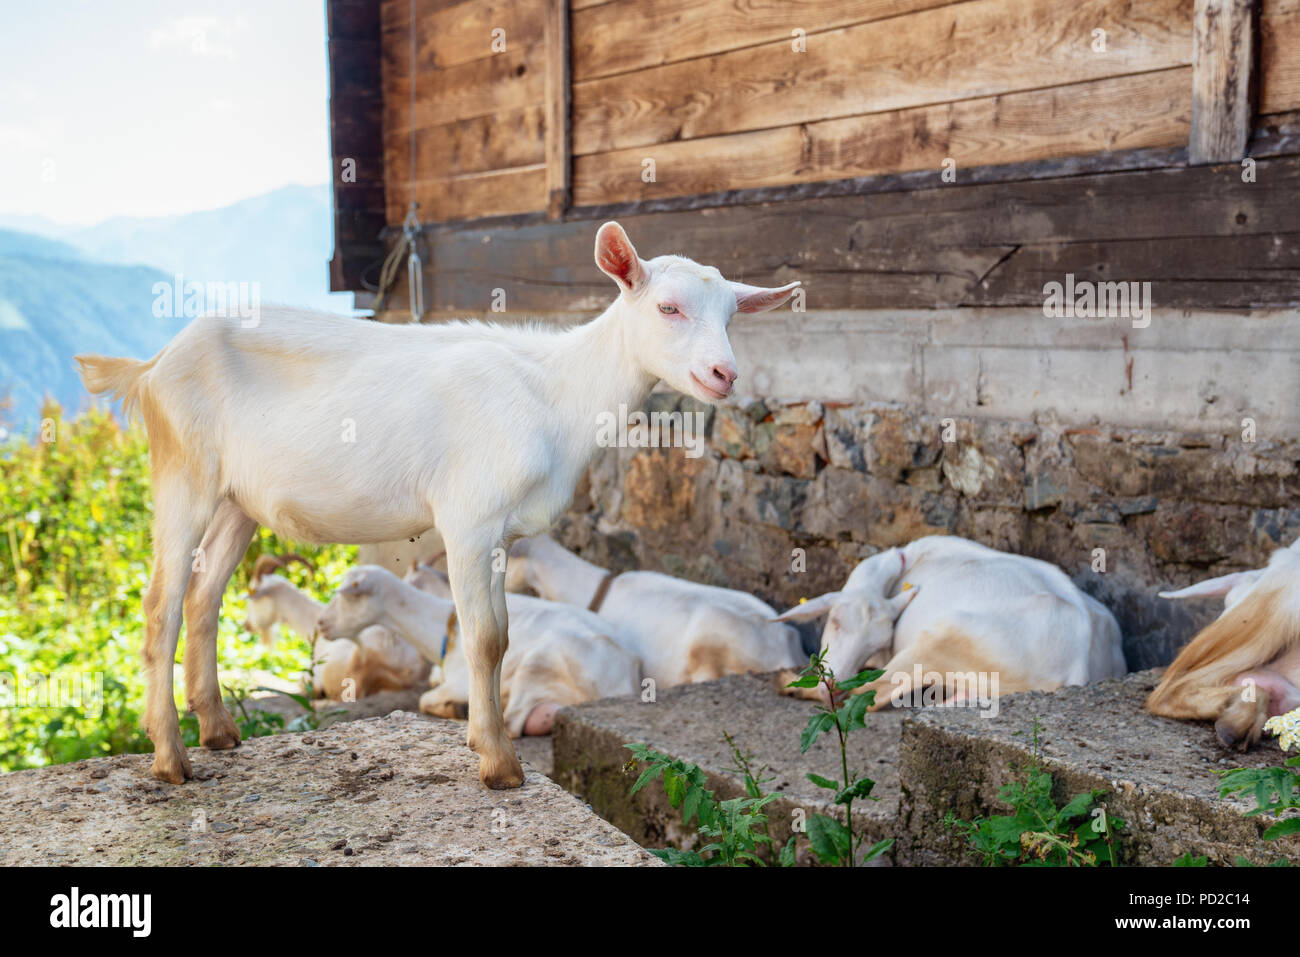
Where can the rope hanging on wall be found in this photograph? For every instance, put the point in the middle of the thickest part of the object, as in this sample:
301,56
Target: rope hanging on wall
409,243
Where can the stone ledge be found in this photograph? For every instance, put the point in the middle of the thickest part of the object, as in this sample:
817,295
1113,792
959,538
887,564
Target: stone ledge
397,790
927,763
687,722
1159,772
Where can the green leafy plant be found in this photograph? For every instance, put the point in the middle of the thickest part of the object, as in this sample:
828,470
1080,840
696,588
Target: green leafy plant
835,842
75,560
734,830
1037,833
1275,792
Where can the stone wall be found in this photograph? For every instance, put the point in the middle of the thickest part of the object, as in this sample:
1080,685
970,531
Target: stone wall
842,480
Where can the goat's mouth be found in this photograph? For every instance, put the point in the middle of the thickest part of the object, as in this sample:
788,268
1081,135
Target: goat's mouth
708,390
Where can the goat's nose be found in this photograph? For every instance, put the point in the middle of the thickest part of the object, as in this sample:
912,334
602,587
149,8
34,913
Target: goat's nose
724,373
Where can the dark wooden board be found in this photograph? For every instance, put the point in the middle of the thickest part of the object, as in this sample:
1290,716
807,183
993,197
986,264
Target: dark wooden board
1201,233
356,137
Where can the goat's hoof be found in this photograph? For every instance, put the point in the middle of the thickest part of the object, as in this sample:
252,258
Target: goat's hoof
221,739
502,774
172,766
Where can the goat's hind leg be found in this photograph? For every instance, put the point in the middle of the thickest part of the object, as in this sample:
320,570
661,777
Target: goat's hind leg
181,515
222,548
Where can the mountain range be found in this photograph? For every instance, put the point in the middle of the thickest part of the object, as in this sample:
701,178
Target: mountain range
66,289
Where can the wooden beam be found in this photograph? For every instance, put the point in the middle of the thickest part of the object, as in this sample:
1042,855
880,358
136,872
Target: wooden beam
1224,58
1201,239
559,90
356,116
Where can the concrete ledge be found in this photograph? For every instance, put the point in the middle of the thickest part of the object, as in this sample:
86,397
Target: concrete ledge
1160,773
398,790
687,722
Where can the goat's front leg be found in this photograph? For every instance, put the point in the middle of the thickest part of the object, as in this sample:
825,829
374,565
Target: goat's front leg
479,594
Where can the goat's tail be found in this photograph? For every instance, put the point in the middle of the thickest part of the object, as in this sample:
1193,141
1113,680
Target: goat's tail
1248,635
118,376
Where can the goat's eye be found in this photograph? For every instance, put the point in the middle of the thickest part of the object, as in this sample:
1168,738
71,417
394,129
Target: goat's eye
667,310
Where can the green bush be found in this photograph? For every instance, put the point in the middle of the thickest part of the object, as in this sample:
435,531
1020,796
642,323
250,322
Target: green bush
75,560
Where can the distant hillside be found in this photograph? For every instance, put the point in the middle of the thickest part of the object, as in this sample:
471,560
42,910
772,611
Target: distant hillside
282,240
90,289
54,303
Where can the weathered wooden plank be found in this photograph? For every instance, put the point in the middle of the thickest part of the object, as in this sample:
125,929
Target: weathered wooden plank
466,278
509,139
1223,80
514,79
1279,56
628,35
1218,271
927,247
1142,110
493,193
968,50
448,34
558,112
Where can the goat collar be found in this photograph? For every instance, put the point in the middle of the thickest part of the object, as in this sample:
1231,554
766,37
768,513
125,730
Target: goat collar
602,590
446,635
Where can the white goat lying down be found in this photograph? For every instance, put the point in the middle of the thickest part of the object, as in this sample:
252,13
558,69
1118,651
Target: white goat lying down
681,630
1243,667
969,610
558,655
376,661
329,429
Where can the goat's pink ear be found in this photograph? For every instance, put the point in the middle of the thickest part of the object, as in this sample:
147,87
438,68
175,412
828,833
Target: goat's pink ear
761,298
617,258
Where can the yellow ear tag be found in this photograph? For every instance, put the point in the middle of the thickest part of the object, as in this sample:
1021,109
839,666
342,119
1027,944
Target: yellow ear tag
907,585
803,601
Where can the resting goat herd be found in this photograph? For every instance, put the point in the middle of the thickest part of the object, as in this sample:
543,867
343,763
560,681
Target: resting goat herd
243,426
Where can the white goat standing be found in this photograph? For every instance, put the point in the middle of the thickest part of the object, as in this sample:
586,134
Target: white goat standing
970,610
557,656
681,630
375,661
327,429
1245,665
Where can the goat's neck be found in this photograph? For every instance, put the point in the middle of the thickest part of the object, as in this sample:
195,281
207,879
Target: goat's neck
298,610
595,370
557,574
418,618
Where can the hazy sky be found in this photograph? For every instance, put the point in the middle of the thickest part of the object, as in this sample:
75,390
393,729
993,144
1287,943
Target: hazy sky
155,107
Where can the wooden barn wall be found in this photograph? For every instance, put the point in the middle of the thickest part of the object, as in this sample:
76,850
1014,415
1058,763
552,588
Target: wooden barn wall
479,114
1279,56
719,99
714,93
